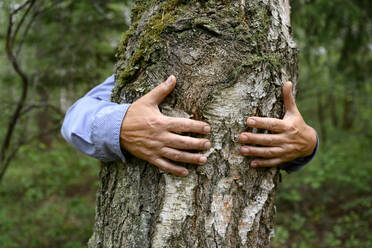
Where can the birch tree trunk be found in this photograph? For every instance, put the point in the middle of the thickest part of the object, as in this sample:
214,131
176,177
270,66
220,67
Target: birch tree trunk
230,58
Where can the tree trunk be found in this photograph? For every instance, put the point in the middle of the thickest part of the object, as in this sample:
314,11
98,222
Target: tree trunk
230,59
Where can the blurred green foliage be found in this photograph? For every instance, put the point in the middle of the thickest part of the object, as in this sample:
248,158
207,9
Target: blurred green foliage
47,197
328,204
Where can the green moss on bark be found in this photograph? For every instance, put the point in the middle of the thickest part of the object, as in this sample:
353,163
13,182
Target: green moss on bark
249,25
150,41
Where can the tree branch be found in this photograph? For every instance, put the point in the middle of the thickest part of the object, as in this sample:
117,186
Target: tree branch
23,18
20,7
30,107
11,39
25,83
25,32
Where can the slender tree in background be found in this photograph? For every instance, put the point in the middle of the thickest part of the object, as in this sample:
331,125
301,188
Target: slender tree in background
44,66
230,58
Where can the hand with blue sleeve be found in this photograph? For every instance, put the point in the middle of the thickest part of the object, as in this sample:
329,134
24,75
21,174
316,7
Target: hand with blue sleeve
100,128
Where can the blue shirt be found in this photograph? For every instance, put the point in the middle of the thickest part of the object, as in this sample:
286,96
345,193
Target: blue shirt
92,125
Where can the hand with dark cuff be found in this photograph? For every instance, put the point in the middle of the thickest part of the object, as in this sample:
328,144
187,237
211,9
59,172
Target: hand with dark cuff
292,138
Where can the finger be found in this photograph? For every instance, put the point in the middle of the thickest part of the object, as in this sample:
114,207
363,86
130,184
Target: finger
266,162
261,139
264,152
180,156
288,98
187,126
165,165
157,95
272,124
185,142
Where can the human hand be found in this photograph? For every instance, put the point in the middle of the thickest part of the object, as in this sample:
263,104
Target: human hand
149,135
292,137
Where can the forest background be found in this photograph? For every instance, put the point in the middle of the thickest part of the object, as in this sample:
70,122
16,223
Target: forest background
66,47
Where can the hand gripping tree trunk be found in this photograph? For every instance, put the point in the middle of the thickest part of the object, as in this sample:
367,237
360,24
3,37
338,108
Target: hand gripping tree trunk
230,58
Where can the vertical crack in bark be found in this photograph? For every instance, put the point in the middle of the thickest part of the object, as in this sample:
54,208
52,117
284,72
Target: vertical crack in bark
254,207
178,204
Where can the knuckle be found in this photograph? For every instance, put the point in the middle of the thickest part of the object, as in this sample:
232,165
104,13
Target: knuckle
196,159
184,142
269,153
199,144
152,144
166,167
281,151
194,144
177,156
164,151
298,148
185,126
158,122
295,131
153,123
155,161
270,125
162,87
291,126
287,127
147,154
270,141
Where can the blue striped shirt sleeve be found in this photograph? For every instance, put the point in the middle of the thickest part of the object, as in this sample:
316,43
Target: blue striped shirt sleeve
92,124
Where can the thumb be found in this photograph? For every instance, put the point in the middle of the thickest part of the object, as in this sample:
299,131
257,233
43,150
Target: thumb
157,95
289,101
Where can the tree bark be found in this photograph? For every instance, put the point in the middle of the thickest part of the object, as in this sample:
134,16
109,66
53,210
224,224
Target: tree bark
230,59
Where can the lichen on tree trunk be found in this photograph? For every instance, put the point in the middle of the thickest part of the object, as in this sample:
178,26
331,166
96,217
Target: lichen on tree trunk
230,58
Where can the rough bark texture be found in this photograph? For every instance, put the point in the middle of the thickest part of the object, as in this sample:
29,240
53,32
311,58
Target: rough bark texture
230,59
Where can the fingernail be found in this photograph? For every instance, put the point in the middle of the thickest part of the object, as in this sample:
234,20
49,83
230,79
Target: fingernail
207,145
251,122
245,150
203,159
169,80
185,173
207,129
244,138
254,164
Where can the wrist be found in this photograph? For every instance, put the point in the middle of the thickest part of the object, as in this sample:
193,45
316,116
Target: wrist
312,137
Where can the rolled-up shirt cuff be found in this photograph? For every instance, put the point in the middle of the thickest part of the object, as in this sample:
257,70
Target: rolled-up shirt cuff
106,132
298,163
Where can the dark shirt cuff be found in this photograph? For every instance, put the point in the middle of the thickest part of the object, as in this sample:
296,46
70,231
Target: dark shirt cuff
298,163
